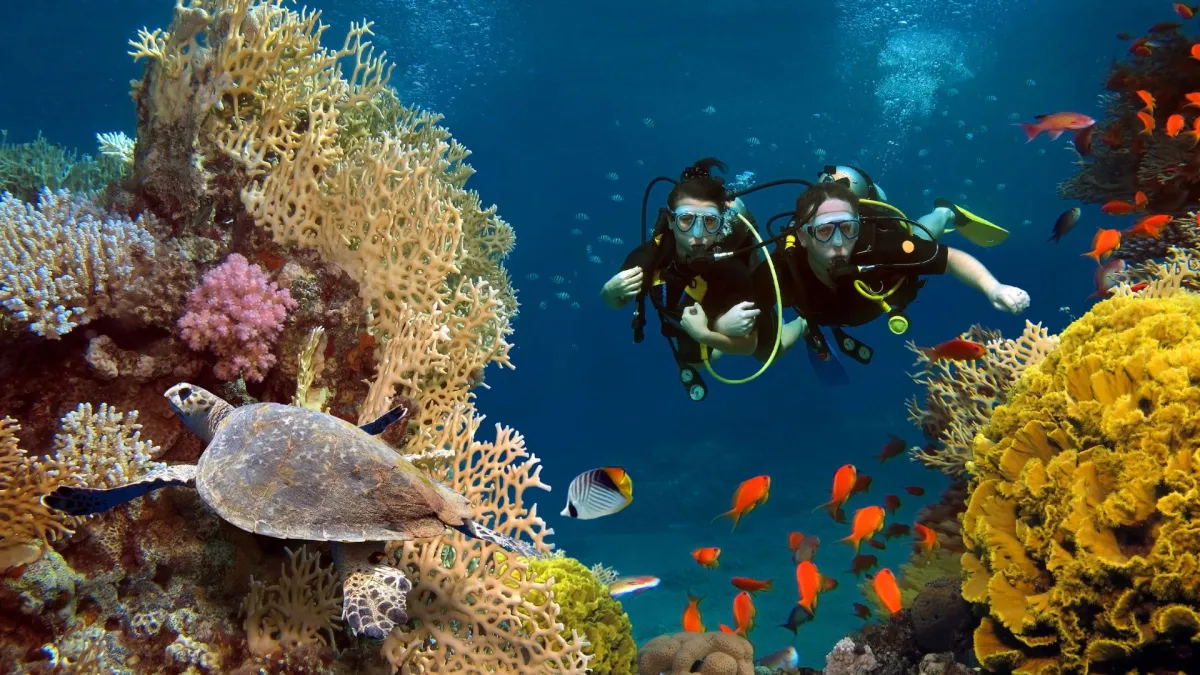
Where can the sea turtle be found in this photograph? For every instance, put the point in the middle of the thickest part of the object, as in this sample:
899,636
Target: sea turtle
294,473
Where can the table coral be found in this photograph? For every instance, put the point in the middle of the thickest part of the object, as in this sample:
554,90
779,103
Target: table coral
1080,528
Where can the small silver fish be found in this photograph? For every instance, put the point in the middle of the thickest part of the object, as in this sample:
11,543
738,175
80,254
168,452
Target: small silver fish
598,493
784,658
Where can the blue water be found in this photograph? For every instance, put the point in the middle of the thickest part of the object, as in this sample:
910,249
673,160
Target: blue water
551,97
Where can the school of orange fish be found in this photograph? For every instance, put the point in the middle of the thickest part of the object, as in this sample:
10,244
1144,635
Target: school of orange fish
866,523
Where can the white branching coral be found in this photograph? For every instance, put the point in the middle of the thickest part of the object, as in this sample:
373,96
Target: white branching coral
118,145
63,261
105,447
303,608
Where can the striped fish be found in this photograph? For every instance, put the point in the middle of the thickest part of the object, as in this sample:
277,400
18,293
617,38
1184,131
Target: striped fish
597,493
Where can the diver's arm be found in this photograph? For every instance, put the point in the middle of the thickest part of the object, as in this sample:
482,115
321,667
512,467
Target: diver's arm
792,332
622,288
970,271
739,346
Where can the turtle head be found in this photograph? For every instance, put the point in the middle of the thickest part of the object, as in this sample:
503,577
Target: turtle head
201,410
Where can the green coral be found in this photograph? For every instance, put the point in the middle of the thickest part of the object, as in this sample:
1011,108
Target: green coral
589,610
25,168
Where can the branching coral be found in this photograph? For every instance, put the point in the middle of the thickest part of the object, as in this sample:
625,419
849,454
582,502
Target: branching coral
1124,159
302,608
28,168
960,396
25,521
1080,528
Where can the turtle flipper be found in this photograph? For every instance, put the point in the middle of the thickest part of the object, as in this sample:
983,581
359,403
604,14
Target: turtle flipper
375,597
85,501
477,531
403,410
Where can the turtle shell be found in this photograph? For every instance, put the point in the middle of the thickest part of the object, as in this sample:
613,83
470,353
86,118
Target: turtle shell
294,473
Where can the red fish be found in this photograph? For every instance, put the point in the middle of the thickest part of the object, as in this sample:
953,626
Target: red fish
1193,100
1147,98
1140,286
876,544
957,349
743,613
1195,52
862,611
1150,226
1083,141
811,584
867,521
887,590
1195,132
752,585
1140,199
891,503
1104,243
750,494
897,530
844,481
1147,123
1119,208
708,557
915,490
894,446
692,623
1174,125
1185,11
926,538
862,485
1055,124
861,563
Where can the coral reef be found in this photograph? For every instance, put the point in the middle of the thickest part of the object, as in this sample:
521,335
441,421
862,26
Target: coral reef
254,145
588,610
961,396
849,658
705,653
1080,527
28,168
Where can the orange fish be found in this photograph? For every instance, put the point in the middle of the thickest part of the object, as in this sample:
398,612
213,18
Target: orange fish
844,481
861,563
1147,123
1195,52
1148,99
707,557
692,622
752,585
743,613
1195,132
802,548
750,494
895,445
891,503
867,521
1120,208
1140,199
957,349
1104,243
811,584
1193,100
915,490
1055,124
926,538
887,590
1185,11
1174,125
1150,226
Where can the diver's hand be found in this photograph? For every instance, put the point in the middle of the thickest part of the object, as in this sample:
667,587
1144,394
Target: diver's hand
624,285
694,322
1009,299
738,321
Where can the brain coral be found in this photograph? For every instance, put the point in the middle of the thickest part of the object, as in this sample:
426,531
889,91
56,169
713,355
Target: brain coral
1083,525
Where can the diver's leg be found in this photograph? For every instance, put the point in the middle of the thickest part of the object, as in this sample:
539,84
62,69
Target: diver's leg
936,221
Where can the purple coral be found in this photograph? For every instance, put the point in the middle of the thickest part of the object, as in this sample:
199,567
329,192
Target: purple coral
237,313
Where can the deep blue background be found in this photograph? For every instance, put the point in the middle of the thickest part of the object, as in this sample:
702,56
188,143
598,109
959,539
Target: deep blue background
552,99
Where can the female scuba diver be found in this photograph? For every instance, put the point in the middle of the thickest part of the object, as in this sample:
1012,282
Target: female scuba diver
838,270
945,214
700,301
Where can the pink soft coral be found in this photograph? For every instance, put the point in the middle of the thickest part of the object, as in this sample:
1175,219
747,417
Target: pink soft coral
237,313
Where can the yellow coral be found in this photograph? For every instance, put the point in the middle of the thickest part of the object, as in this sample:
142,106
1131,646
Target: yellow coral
303,608
1081,528
24,519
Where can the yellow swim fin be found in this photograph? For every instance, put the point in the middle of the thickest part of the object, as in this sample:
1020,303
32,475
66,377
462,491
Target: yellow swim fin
975,229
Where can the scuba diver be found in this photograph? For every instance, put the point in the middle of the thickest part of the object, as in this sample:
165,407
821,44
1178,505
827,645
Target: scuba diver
945,214
838,269
702,303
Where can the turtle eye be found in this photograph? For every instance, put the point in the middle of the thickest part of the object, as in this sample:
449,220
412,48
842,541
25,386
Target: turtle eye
185,393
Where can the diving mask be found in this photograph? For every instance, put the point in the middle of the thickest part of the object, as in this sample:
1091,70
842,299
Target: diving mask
824,228
697,221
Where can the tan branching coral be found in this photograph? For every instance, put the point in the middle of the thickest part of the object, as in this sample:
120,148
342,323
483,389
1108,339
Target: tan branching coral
302,608
25,522
961,395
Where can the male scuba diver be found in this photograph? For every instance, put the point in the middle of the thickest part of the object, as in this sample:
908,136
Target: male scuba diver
944,215
837,268
702,303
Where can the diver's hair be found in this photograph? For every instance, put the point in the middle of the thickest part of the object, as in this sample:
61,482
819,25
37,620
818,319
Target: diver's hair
811,199
697,182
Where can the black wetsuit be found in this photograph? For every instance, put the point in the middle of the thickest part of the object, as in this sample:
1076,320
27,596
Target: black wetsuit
843,305
723,284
